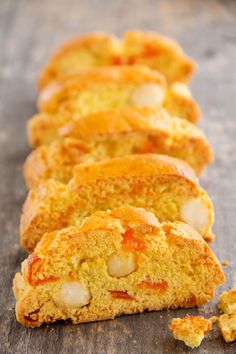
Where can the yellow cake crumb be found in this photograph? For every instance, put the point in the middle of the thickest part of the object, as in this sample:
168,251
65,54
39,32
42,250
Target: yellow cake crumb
225,263
214,319
227,301
227,321
227,325
190,329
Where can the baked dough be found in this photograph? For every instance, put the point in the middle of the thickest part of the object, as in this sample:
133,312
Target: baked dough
159,183
190,329
112,134
115,263
137,47
227,321
112,88
227,301
227,325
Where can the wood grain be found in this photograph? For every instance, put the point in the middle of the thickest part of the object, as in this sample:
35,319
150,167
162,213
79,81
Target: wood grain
28,32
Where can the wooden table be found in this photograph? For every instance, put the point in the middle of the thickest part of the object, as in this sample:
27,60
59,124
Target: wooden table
28,32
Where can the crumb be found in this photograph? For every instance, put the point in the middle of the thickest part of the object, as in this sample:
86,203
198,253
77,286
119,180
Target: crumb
227,325
225,263
227,321
214,319
190,329
227,301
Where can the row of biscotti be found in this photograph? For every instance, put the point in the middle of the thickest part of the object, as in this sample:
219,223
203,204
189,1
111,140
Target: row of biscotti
123,261
68,138
135,123
121,107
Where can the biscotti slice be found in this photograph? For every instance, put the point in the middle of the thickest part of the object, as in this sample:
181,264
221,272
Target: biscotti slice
111,88
158,52
117,262
95,49
137,47
163,185
190,329
117,133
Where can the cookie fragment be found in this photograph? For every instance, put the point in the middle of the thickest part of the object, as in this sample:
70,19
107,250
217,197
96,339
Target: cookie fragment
227,321
190,329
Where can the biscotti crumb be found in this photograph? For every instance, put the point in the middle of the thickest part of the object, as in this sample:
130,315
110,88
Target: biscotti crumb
227,321
227,325
227,301
190,329
225,263
214,319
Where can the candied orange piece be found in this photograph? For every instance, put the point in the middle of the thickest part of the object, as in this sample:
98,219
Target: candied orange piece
34,264
121,295
148,147
131,243
160,285
117,60
149,51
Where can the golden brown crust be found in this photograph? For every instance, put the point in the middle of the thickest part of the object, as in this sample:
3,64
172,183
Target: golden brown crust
102,123
156,51
80,254
134,165
117,133
43,128
125,120
160,183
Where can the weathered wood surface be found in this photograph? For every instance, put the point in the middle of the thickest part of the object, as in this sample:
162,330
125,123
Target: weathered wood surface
28,32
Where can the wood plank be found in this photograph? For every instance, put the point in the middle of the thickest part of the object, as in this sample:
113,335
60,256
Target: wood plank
28,32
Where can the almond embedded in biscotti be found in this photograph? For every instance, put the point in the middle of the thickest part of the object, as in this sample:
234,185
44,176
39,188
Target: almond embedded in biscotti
118,266
195,213
73,293
148,95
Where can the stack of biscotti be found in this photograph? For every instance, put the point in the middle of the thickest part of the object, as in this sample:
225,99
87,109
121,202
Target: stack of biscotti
115,220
